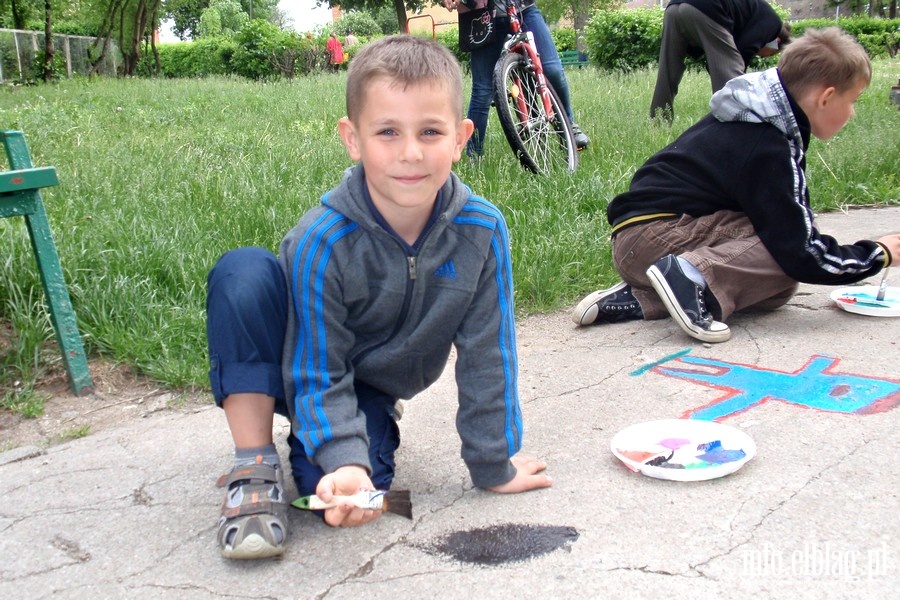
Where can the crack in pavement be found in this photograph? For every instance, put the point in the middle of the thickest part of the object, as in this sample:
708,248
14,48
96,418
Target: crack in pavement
403,540
756,526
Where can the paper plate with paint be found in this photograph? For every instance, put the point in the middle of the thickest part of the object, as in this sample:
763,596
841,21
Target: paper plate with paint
861,299
683,449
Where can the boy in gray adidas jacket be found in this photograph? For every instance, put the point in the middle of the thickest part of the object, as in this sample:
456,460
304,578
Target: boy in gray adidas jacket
370,291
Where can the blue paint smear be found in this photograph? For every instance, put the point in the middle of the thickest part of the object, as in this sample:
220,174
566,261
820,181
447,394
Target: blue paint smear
665,359
813,386
710,445
720,455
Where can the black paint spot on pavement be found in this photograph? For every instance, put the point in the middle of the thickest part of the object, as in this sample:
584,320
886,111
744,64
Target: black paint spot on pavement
499,544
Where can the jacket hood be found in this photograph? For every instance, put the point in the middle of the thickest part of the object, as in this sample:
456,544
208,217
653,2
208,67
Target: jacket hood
757,98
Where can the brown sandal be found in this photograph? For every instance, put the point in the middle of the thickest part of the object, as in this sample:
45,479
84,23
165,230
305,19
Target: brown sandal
254,514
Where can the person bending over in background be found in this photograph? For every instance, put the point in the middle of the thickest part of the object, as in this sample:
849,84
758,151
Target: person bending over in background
727,32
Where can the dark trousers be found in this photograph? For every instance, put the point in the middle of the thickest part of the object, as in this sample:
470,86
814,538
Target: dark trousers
483,61
246,312
686,29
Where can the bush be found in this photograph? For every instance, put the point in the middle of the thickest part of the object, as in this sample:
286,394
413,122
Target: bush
564,39
624,40
362,24
266,52
879,37
205,57
57,66
67,27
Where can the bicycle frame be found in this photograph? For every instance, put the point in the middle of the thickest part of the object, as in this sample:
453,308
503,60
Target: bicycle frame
522,42
531,114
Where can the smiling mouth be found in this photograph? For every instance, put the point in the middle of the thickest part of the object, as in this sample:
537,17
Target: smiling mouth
410,178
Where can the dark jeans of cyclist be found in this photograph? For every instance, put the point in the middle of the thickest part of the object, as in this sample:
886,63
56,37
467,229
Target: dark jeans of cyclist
482,65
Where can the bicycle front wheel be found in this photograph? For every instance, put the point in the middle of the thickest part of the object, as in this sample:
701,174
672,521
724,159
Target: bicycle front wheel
542,142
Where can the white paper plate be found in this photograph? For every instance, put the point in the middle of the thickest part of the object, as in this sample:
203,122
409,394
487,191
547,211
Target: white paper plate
856,299
683,449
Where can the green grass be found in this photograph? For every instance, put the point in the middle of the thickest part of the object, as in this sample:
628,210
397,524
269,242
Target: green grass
159,178
22,399
72,433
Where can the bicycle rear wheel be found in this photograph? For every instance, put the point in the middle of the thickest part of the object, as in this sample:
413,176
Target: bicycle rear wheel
543,143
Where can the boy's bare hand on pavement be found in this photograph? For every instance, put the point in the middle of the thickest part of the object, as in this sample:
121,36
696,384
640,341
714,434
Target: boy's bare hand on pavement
529,476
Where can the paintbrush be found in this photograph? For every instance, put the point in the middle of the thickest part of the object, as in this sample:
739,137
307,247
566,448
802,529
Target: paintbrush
395,501
882,287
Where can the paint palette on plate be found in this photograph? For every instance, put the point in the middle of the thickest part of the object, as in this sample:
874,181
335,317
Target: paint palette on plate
861,299
683,449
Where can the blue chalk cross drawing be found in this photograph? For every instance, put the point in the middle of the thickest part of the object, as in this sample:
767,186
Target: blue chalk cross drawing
816,385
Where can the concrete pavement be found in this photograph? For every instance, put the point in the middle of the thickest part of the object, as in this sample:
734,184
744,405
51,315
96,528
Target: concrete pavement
131,512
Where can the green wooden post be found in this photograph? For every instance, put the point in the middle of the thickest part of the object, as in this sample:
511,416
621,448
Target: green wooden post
20,196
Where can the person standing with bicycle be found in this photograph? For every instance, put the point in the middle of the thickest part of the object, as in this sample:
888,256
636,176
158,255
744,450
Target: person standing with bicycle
483,27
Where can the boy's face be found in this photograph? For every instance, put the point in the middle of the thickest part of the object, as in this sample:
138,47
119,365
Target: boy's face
829,110
407,141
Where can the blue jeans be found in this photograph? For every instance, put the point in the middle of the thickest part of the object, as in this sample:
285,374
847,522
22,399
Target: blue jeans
482,64
246,308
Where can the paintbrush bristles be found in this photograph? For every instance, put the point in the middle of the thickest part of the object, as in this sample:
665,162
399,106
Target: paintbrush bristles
398,502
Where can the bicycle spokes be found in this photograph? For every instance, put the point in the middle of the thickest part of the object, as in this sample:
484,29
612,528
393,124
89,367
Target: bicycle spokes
532,117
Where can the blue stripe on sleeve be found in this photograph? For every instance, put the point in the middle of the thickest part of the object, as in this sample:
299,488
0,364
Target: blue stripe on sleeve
507,334
309,370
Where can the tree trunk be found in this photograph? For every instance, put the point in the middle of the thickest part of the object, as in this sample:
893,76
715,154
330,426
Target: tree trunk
48,40
154,23
105,34
581,19
400,7
18,14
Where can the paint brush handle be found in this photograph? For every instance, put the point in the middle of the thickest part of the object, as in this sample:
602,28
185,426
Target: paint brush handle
882,287
373,500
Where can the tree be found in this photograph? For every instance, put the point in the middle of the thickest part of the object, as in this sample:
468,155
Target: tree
360,22
187,14
372,6
18,11
130,22
48,40
223,17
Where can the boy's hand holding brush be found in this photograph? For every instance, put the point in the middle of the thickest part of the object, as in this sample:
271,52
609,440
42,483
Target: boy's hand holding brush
349,498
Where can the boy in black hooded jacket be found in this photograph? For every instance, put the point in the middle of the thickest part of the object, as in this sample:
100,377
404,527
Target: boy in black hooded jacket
720,220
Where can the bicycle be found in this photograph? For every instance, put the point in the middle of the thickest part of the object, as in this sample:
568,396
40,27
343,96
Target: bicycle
531,114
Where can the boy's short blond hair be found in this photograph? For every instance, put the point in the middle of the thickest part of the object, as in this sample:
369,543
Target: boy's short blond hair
404,60
824,57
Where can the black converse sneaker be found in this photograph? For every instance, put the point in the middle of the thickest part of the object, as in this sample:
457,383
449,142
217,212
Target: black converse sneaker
686,301
608,306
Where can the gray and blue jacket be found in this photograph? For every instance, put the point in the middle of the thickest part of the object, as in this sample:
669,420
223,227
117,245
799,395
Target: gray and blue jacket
365,305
